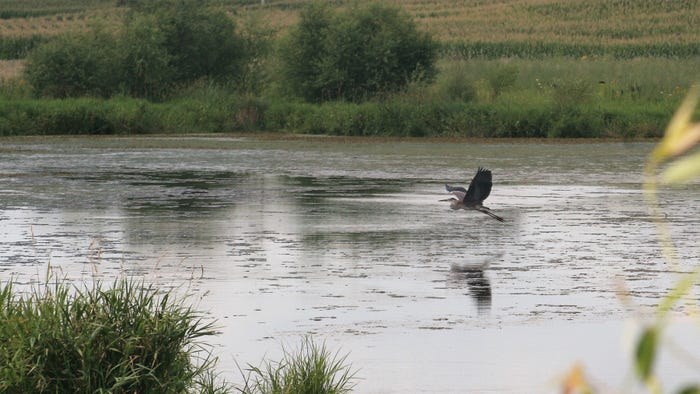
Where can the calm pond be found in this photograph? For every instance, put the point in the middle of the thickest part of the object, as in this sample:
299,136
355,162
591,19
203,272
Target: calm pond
346,239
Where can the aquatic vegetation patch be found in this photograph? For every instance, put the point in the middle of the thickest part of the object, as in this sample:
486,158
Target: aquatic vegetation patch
123,338
311,369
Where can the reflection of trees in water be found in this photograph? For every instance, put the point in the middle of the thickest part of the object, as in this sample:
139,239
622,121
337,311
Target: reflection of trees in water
182,191
368,239
336,214
178,208
310,191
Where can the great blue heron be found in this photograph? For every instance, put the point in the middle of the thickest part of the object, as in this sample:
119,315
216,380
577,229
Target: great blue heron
472,198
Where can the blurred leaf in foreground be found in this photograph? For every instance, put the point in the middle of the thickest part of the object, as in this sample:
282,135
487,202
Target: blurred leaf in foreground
683,170
646,352
680,135
575,382
690,390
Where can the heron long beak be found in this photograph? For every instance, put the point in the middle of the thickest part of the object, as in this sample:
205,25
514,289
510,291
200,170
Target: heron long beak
448,199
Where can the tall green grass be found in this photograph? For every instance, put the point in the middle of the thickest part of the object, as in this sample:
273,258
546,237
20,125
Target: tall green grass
130,337
123,338
509,115
310,369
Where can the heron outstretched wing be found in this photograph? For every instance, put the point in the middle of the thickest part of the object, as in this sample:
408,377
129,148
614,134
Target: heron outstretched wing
480,186
458,191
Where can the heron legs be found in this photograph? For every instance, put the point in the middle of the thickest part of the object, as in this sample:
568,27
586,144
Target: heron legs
487,211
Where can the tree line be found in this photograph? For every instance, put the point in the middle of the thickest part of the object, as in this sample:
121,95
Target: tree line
165,45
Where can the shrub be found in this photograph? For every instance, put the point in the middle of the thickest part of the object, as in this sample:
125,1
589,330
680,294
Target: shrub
74,65
501,78
569,94
199,41
303,51
356,54
146,66
165,44
455,83
576,122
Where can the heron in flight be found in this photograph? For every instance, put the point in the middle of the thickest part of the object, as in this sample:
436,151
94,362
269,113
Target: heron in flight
472,198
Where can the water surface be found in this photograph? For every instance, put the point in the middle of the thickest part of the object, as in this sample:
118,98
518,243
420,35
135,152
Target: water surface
346,239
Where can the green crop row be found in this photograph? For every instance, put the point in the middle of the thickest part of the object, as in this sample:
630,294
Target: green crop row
539,50
19,47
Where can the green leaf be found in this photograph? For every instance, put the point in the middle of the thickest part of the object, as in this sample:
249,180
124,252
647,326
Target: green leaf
646,352
690,390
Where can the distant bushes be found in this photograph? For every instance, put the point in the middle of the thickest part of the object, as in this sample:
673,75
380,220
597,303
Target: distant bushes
75,65
354,55
175,43
199,42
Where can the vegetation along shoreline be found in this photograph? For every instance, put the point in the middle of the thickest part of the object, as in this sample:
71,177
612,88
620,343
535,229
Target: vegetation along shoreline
447,70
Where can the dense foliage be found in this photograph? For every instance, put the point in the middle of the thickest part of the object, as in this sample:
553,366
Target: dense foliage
199,41
356,54
74,65
176,43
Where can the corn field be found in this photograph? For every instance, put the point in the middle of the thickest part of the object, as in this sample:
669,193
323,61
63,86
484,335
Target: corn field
471,28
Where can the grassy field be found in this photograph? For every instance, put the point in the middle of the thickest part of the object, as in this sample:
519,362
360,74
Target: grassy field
523,64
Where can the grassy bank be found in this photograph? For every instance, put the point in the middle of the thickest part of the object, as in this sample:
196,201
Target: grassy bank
554,97
504,118
594,68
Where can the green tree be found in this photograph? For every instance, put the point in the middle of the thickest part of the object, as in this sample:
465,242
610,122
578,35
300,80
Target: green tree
164,44
303,51
74,65
145,65
368,50
199,41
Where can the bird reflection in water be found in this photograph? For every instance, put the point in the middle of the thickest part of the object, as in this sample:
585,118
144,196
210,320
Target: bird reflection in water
478,283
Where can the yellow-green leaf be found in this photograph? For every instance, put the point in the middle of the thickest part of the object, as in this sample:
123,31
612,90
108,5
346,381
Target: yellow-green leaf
679,135
682,170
